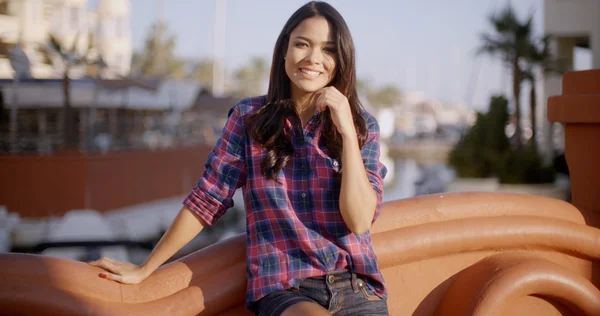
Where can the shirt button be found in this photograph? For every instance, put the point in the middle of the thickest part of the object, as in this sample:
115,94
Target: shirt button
335,163
303,195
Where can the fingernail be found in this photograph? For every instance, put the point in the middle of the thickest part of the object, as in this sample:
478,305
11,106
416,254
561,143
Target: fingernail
102,275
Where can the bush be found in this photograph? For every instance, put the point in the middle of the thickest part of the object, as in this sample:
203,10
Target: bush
479,151
485,151
524,167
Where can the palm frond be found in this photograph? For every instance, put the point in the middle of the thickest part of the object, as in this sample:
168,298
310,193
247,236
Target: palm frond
55,44
490,45
505,22
86,58
73,49
496,46
45,52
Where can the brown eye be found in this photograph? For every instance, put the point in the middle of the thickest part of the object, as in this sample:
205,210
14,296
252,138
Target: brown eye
331,50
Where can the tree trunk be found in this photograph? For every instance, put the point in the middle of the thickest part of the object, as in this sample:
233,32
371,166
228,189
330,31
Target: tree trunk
67,111
532,108
13,128
517,96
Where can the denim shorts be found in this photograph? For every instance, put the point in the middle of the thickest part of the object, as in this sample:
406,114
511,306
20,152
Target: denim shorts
341,293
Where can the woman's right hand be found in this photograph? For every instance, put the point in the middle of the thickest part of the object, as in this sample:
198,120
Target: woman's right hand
123,272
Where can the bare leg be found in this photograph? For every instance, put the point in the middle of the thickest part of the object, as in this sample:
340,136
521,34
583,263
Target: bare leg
305,309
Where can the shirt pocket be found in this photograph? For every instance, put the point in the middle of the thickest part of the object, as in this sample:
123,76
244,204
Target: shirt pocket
329,173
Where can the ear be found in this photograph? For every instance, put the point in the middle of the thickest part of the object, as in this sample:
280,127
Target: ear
284,52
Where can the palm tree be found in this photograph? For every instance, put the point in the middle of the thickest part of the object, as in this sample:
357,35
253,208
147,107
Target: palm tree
157,59
511,40
540,59
70,58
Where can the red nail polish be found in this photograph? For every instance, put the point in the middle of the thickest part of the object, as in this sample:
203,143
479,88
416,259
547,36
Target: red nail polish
102,275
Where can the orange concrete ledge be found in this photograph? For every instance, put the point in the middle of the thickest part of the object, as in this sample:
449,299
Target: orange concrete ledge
423,244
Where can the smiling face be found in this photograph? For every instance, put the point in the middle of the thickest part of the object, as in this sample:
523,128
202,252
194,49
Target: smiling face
310,61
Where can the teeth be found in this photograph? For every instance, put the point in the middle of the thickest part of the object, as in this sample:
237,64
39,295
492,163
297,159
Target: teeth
309,72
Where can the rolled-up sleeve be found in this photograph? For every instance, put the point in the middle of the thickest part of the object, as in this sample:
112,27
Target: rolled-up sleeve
224,172
376,171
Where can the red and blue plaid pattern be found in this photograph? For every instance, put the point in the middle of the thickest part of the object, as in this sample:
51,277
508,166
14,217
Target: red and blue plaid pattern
294,226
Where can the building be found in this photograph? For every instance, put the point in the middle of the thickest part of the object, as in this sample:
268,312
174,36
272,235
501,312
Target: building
124,112
29,23
419,116
113,33
571,23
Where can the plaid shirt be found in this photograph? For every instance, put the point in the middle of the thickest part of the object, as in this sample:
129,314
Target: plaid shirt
294,228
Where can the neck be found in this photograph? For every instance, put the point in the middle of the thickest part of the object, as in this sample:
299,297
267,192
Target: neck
305,104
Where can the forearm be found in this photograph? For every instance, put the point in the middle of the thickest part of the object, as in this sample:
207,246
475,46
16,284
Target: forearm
184,228
357,197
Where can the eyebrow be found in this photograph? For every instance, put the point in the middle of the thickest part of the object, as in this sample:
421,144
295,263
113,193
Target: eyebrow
308,40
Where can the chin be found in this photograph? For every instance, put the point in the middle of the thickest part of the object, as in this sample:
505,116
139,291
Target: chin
310,87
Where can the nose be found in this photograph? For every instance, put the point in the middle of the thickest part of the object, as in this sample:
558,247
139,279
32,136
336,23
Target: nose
315,56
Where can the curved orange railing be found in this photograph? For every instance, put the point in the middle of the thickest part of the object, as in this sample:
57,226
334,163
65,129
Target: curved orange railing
539,243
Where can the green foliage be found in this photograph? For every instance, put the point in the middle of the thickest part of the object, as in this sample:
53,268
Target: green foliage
485,151
511,38
158,58
479,151
524,167
512,41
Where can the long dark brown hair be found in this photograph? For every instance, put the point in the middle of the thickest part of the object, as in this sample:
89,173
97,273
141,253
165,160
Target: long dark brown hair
268,125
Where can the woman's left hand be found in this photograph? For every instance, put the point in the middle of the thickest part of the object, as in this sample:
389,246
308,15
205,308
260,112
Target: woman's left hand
330,97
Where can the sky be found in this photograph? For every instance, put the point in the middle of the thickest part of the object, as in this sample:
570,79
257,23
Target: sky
426,45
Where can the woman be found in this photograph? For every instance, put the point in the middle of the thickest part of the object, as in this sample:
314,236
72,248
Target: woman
307,157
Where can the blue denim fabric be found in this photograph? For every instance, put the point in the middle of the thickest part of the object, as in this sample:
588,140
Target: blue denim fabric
341,293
